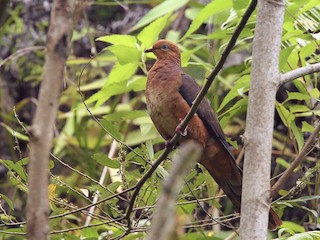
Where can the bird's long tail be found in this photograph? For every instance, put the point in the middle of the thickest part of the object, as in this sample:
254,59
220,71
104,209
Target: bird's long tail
223,168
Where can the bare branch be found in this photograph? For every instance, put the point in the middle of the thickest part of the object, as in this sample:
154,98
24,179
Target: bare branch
299,72
304,151
163,224
58,45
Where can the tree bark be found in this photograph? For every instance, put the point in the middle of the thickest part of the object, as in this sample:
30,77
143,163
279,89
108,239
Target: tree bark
163,225
58,45
265,78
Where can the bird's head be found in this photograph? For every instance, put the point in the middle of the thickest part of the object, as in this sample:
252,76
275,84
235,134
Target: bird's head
164,49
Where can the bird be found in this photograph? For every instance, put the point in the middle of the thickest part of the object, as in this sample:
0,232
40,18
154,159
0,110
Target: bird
169,95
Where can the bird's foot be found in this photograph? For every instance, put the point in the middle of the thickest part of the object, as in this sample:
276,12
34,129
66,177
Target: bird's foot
183,133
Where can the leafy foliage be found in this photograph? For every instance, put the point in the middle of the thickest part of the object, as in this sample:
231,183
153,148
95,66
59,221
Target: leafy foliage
112,84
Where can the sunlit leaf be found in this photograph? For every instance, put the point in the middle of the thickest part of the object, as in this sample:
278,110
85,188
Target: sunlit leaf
313,235
160,10
209,10
151,33
306,127
315,93
89,233
115,84
293,226
119,39
125,54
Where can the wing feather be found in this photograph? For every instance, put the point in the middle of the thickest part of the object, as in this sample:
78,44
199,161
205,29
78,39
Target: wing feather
189,90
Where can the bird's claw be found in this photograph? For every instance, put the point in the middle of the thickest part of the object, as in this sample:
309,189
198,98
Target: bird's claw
182,133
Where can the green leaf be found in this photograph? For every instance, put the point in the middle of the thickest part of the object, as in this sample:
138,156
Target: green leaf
239,107
284,55
312,235
150,150
240,4
241,84
8,200
151,33
104,160
89,233
298,135
303,199
111,129
15,133
125,115
282,162
158,11
297,96
298,108
307,50
293,226
125,54
115,84
137,83
216,6
306,127
16,167
120,73
315,93
118,39
113,186
309,4
284,114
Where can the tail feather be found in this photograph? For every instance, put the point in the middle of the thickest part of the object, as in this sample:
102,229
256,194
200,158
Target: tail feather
274,220
228,175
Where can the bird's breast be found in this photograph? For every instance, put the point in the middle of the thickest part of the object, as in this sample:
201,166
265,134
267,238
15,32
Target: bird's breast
164,108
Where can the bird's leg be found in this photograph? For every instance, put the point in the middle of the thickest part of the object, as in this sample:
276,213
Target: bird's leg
178,129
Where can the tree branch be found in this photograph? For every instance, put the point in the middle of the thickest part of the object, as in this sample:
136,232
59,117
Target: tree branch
299,72
163,225
255,203
193,109
58,45
304,151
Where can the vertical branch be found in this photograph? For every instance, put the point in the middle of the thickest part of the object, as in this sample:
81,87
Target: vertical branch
163,225
58,43
265,78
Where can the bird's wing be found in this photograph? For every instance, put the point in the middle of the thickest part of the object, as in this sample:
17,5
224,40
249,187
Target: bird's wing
189,90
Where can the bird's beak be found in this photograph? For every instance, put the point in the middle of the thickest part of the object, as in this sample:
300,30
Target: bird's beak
148,50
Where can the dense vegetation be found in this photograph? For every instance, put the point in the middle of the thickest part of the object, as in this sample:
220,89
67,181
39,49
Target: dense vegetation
102,121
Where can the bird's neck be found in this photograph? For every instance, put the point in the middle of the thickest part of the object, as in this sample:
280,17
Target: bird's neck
172,62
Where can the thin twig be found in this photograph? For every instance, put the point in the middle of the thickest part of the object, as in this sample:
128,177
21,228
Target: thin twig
193,108
180,203
84,175
299,72
304,151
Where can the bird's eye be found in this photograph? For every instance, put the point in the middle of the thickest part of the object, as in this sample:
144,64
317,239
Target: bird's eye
165,46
